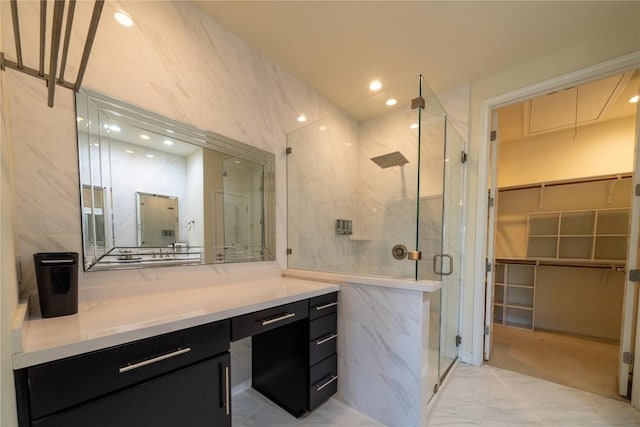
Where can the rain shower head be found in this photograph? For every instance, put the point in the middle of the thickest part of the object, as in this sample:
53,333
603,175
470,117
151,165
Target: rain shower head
392,159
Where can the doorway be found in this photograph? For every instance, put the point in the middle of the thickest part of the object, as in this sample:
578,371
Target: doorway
562,201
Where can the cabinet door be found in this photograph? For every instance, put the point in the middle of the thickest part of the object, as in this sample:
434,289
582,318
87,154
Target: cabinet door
194,396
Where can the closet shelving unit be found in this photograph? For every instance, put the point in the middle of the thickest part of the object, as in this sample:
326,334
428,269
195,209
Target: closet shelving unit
599,235
585,238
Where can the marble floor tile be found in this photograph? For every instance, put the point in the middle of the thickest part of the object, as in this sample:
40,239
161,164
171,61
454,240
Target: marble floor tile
251,409
472,397
489,396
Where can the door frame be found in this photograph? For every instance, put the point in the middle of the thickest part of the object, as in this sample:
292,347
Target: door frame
616,65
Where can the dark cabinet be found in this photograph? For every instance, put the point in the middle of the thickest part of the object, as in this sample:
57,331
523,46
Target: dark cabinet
186,397
295,365
181,378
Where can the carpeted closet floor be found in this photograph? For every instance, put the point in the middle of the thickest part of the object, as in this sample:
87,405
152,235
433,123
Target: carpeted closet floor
584,363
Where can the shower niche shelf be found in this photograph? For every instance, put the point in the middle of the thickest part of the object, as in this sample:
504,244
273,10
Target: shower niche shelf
360,238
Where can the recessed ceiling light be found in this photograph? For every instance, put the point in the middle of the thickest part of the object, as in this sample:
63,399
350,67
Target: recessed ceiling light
167,142
413,126
237,162
79,118
634,99
115,128
170,131
151,156
322,128
128,151
375,85
391,101
143,136
123,19
302,118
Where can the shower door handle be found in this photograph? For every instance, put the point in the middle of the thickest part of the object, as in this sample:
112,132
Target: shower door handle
435,264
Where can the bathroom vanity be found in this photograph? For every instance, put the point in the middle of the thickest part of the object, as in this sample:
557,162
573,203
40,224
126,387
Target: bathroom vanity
163,359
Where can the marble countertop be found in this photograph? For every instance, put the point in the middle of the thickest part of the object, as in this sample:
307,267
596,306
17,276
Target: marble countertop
104,323
412,285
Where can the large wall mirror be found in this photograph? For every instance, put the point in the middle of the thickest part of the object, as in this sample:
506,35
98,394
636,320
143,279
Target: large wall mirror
155,191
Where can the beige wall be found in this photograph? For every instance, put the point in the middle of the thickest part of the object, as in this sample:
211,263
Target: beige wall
599,149
596,51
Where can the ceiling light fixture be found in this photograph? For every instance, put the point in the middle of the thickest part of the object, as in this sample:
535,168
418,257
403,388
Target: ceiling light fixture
115,128
322,128
167,142
634,100
123,19
302,118
391,101
151,156
145,137
79,118
375,85
128,151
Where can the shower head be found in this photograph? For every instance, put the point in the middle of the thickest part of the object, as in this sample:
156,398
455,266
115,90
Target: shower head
392,159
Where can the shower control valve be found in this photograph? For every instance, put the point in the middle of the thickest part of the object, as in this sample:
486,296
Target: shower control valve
344,227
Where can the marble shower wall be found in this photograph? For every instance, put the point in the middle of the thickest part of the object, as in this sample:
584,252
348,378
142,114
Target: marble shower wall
174,61
322,174
331,176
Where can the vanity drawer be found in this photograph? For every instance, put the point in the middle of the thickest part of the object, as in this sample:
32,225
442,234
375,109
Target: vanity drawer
57,385
323,335
323,380
266,320
323,305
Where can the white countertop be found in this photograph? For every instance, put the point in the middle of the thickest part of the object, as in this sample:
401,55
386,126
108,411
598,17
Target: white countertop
412,285
104,323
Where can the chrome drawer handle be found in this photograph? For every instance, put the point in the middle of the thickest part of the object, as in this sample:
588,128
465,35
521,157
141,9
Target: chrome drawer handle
332,379
155,359
322,307
227,397
277,319
324,340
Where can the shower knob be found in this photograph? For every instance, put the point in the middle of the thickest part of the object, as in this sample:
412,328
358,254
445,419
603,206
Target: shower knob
399,251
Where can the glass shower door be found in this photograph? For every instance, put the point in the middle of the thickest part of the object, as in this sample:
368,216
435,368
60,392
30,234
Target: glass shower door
452,240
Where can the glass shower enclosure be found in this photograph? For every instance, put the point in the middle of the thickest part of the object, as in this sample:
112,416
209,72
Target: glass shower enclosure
375,186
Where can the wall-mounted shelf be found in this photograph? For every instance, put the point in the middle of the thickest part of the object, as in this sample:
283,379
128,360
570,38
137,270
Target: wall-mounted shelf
590,235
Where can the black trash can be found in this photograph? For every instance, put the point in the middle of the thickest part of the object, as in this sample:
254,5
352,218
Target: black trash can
57,277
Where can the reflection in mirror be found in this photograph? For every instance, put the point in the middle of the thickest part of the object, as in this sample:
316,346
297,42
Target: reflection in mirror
158,192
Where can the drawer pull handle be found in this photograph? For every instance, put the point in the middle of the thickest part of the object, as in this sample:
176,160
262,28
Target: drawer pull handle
277,319
324,340
332,379
322,307
227,397
178,352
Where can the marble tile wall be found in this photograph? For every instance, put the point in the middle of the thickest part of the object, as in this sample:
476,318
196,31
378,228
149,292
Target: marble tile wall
322,183
382,202
383,361
174,61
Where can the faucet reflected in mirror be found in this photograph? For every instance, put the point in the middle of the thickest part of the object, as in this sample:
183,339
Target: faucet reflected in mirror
155,191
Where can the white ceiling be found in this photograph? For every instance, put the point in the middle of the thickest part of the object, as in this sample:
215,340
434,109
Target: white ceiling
585,104
338,47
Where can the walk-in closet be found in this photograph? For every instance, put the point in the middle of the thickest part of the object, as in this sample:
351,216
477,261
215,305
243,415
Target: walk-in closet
564,174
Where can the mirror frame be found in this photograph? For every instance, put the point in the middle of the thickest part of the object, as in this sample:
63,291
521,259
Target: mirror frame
152,122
